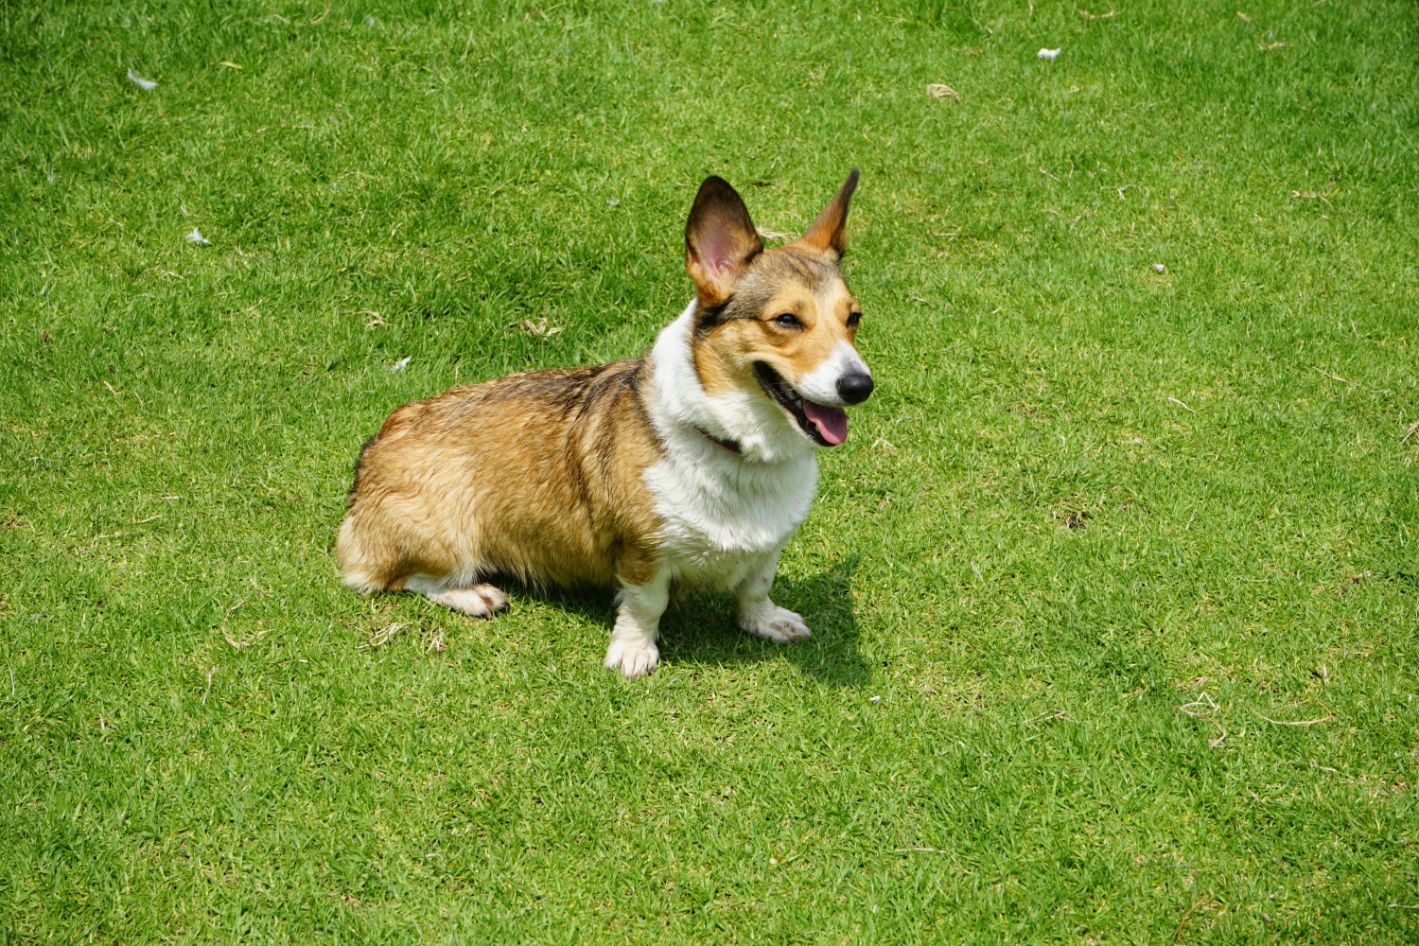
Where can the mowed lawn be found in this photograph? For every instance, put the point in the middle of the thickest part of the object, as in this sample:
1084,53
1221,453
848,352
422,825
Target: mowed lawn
1114,585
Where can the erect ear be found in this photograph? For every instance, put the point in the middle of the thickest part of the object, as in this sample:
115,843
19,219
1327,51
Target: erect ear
826,233
720,241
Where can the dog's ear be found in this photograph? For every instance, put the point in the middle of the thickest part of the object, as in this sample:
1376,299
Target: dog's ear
826,233
720,241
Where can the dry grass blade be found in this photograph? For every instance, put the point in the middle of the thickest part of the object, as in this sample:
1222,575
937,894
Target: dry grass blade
1187,915
1204,707
1311,195
940,90
1049,715
1294,722
539,329
238,643
1335,377
383,635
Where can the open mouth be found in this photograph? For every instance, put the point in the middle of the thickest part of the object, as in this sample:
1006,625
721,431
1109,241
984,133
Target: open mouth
825,426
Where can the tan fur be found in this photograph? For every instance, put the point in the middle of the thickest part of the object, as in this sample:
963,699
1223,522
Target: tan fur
827,234
793,279
537,475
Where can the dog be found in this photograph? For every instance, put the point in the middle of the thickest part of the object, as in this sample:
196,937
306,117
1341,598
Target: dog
691,466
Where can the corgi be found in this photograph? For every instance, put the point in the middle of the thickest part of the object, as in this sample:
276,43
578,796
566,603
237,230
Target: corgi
690,466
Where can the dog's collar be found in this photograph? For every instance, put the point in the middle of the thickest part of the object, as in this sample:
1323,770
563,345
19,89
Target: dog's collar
732,445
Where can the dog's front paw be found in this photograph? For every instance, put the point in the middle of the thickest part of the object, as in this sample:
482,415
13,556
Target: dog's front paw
632,656
774,623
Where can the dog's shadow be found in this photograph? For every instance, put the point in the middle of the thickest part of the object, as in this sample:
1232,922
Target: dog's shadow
699,628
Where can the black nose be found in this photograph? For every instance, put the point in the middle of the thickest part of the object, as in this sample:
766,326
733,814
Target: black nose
854,388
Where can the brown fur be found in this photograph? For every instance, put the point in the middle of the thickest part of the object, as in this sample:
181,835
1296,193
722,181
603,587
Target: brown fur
537,475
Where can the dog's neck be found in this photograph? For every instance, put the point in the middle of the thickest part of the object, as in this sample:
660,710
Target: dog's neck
684,409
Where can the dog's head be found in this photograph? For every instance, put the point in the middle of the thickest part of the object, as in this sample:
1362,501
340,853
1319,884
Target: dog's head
780,323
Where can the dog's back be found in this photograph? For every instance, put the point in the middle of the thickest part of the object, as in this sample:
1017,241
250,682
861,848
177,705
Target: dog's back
537,475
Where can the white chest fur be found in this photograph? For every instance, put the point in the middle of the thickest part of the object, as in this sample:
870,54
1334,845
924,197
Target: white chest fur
716,524
722,511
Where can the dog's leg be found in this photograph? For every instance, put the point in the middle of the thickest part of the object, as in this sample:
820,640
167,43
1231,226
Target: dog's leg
760,616
478,600
633,649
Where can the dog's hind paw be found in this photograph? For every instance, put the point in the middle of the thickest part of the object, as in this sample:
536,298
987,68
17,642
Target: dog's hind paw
773,623
479,601
634,658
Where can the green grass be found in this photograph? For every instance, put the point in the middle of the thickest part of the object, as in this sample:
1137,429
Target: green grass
1101,535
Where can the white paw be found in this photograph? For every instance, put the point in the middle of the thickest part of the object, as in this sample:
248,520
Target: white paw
479,601
494,596
774,623
634,657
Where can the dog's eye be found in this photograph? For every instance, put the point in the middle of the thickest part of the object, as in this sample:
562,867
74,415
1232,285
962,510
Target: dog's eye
853,318
787,320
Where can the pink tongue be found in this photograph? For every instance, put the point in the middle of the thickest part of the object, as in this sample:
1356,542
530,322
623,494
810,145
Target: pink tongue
830,421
